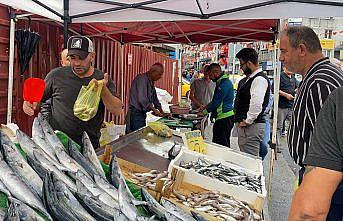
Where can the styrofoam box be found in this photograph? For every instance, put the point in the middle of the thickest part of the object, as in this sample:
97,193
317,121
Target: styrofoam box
236,157
254,199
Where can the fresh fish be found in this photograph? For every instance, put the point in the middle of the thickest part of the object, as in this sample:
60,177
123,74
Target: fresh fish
19,165
153,206
125,202
49,133
119,216
95,207
39,138
4,189
78,157
89,153
106,186
84,182
172,208
18,188
63,200
198,217
42,165
25,212
12,214
173,217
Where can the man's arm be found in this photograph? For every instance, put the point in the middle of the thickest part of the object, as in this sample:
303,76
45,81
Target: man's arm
258,90
194,100
286,95
225,88
111,102
312,200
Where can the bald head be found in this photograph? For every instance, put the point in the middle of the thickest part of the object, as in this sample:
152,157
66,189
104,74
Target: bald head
156,71
64,58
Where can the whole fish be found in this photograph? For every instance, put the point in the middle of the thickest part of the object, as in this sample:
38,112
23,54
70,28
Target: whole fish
106,186
39,138
173,217
172,208
82,160
94,206
89,153
42,166
18,188
19,165
153,206
63,200
49,133
25,212
84,182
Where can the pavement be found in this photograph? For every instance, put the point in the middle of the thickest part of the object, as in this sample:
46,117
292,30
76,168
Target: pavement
283,180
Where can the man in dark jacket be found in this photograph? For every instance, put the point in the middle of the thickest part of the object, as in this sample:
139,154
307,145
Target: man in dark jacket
221,106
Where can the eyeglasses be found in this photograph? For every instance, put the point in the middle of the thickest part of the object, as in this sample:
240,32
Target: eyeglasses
241,64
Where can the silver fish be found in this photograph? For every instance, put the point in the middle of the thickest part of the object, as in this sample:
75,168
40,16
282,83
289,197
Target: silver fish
39,138
63,200
89,153
19,165
12,214
119,216
172,208
106,186
153,206
84,182
4,189
18,188
42,165
198,217
173,217
25,212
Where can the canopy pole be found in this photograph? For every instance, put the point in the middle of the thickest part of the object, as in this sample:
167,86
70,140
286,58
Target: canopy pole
66,20
179,64
122,68
277,71
10,70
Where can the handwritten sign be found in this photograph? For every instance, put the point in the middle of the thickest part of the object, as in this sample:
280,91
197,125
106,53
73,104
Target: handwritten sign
194,141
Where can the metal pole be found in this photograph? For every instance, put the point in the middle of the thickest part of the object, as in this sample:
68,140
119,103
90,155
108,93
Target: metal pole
10,71
122,66
179,64
66,21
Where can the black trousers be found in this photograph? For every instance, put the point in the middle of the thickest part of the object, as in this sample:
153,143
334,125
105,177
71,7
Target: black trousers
222,131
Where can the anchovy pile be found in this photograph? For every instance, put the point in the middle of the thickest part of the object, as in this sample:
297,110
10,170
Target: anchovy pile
225,174
221,206
150,178
58,183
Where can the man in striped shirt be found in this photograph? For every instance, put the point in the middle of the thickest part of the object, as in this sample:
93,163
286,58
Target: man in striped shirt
301,53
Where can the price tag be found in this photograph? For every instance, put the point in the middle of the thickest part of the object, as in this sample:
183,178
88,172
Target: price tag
194,141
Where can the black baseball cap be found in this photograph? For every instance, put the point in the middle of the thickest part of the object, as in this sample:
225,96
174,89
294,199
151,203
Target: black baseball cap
80,45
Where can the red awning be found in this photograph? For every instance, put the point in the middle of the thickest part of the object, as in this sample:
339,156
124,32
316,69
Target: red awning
189,32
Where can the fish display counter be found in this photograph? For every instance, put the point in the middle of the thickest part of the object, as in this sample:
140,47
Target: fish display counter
224,184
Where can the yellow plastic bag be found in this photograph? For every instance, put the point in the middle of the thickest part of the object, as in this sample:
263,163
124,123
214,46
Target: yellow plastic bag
160,129
87,102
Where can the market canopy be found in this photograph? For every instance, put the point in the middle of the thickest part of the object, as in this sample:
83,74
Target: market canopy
84,11
178,21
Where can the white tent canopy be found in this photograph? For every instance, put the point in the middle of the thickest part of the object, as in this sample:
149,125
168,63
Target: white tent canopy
81,11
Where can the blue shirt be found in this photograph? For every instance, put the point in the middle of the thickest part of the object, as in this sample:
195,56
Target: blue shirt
143,95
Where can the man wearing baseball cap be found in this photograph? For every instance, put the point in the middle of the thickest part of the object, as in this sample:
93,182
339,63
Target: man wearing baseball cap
63,85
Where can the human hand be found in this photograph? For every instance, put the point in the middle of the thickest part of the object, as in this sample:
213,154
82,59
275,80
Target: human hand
29,108
243,124
290,97
200,114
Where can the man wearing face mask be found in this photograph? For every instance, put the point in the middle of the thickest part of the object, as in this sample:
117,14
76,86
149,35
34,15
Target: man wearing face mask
251,102
221,106
63,85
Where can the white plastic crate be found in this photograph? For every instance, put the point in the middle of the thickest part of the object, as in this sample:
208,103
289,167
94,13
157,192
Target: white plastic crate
254,199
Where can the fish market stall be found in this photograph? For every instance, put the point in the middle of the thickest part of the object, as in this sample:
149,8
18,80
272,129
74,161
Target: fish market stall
230,180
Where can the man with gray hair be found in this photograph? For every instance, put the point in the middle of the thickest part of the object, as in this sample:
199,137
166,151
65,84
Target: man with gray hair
301,53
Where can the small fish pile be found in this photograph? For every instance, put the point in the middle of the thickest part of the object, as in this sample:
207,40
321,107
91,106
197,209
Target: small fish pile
150,178
225,174
221,206
57,183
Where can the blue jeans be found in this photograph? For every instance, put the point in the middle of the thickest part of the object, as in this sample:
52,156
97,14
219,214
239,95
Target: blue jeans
265,142
135,120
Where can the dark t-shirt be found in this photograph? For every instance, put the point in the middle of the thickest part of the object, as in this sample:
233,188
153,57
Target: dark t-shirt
288,85
326,149
62,89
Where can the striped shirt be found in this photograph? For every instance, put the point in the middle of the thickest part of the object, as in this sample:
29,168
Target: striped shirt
321,79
